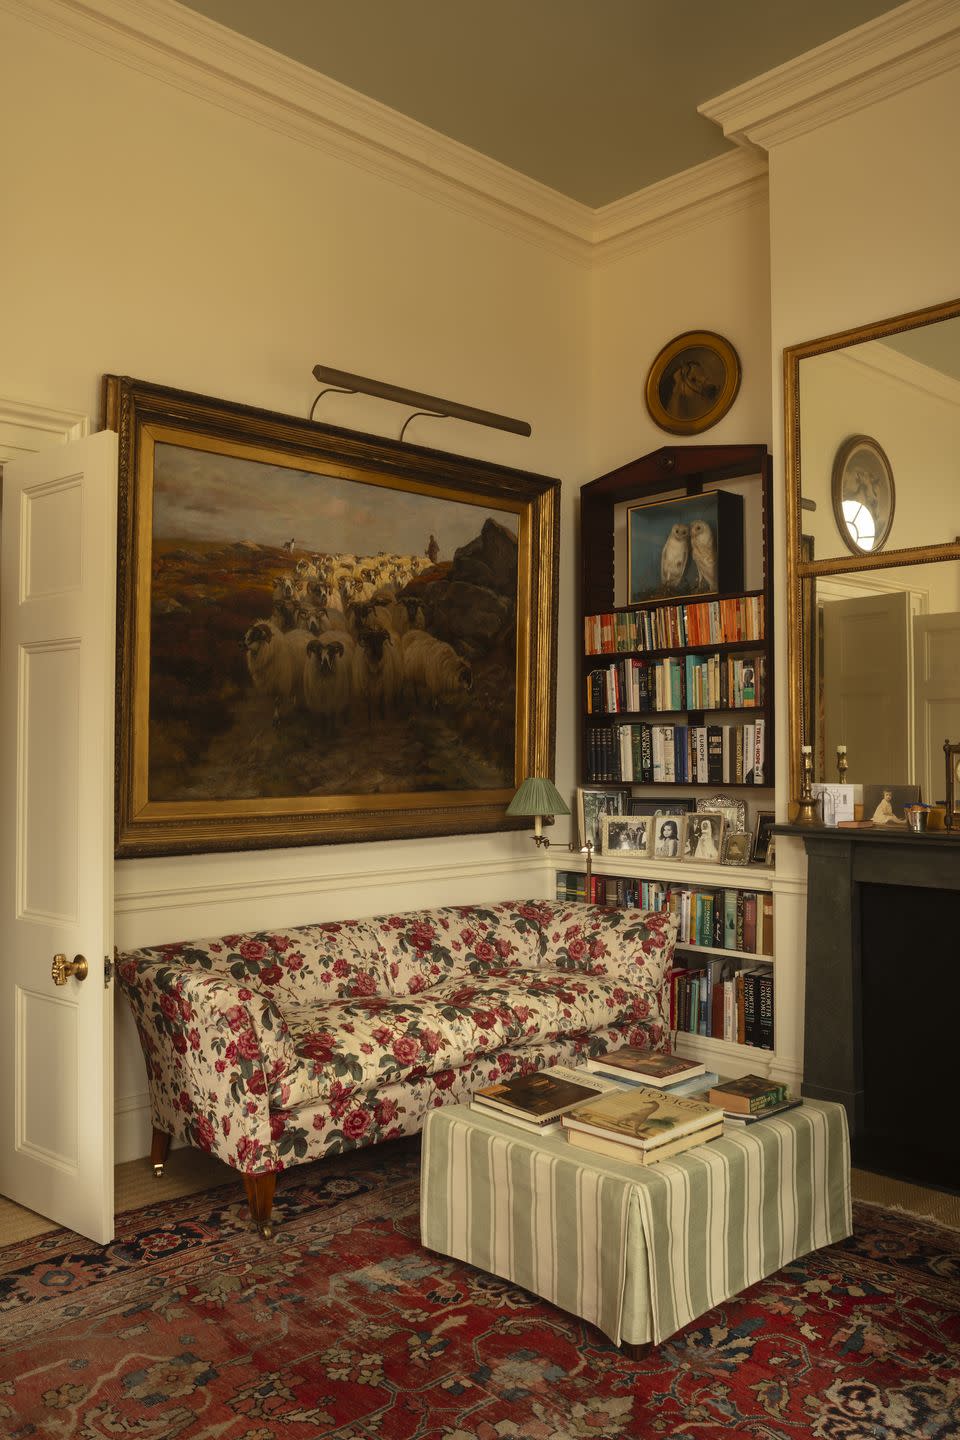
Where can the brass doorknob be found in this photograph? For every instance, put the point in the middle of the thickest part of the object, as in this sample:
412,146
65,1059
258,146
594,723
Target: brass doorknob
62,968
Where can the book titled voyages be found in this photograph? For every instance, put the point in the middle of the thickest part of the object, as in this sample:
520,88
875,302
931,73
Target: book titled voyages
538,1100
641,1117
749,1095
617,1150
648,1066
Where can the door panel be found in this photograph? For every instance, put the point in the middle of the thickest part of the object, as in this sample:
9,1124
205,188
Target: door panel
937,650
867,683
57,589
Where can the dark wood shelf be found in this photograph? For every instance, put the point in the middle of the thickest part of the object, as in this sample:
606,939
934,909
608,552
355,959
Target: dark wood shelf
643,717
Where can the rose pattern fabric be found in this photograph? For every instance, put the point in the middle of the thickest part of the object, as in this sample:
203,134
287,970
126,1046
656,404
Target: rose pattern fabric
270,1049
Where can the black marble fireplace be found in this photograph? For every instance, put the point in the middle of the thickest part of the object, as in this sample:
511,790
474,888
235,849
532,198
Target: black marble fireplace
881,1027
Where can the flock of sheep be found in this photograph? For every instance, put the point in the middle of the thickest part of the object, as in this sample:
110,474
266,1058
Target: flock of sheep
345,642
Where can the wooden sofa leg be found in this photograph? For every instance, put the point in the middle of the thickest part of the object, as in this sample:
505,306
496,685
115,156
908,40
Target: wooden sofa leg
260,1190
159,1150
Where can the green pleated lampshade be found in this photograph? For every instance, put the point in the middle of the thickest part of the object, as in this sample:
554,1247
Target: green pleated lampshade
538,796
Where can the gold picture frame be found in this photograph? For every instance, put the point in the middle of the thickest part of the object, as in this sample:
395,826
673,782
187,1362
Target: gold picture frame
693,382
241,593
863,494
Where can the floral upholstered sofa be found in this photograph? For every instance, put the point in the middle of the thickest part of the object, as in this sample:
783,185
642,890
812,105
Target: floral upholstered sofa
276,1048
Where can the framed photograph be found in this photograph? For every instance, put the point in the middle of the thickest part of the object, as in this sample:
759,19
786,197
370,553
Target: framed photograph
736,848
638,805
705,833
669,833
691,545
693,382
886,804
763,837
863,494
626,834
323,636
733,810
592,805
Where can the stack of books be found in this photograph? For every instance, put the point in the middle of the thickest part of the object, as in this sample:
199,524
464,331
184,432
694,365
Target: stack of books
750,1098
631,1065
641,1125
537,1101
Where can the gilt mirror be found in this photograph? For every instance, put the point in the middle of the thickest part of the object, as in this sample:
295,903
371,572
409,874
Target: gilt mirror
873,550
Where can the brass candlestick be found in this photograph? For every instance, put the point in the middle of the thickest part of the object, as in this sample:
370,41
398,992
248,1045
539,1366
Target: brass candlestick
806,805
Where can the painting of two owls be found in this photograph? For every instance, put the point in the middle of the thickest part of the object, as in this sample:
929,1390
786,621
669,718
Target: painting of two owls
689,546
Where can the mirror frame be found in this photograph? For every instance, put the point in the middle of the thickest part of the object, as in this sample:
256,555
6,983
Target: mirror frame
798,569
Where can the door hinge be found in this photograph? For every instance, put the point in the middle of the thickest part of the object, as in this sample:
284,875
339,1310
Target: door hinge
107,971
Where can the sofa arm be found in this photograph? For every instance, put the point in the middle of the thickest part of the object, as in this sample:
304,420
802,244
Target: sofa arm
217,1055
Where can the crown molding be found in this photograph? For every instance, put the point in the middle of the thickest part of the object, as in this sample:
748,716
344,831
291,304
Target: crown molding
179,47
906,46
681,202
881,359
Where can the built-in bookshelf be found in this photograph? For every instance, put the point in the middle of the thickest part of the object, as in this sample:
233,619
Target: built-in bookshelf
677,688
722,979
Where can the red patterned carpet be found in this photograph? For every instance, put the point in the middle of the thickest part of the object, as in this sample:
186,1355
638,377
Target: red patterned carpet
188,1327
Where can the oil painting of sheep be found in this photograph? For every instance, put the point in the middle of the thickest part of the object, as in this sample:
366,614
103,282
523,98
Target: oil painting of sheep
325,643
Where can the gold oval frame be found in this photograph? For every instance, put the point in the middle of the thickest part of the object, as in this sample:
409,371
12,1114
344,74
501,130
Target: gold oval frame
841,460
726,391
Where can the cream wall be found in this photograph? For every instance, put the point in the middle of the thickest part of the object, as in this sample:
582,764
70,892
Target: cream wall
148,232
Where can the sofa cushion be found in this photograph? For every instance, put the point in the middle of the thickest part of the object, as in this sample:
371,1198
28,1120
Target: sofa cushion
425,947
362,1044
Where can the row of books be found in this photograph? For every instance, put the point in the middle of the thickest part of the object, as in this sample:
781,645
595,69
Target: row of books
632,1105
727,919
674,627
691,682
646,754
737,1008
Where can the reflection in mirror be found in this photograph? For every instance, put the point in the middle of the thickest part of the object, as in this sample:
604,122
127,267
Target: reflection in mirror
880,421
873,550
882,674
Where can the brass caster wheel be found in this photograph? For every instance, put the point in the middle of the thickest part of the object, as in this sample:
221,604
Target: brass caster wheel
157,1171
266,1231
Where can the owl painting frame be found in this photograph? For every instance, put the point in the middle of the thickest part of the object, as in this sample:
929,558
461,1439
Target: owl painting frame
688,546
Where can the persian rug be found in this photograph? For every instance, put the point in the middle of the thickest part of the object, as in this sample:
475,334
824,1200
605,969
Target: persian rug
190,1327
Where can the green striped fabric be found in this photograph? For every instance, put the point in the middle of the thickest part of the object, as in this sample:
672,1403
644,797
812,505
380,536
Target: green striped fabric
637,1251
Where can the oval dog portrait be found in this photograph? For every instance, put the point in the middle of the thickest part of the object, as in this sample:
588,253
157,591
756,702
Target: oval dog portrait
693,382
863,494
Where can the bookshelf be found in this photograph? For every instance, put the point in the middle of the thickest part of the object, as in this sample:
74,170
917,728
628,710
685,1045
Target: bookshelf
676,702
677,690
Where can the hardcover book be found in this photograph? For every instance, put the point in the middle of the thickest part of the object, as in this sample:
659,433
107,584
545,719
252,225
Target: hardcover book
656,1069
617,1150
748,1095
541,1097
737,1118
641,1117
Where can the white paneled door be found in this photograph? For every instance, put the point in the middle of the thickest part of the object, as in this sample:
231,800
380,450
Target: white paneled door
57,655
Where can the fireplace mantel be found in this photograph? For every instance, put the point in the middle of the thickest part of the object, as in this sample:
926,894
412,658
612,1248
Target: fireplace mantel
892,981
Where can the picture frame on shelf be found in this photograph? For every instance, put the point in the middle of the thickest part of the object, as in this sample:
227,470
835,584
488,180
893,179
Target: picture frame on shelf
640,805
626,834
733,810
592,805
763,837
705,835
736,848
669,836
242,534
885,805
864,494
692,382
687,546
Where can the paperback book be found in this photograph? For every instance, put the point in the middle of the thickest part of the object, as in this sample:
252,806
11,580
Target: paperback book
641,1117
537,1101
648,1066
738,1118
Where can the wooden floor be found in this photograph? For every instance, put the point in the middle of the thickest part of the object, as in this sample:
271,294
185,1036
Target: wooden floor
189,1171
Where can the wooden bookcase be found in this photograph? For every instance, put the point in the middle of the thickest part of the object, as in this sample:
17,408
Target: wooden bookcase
677,472
672,473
